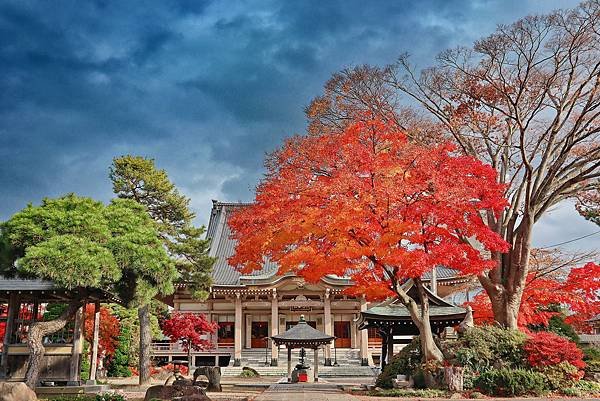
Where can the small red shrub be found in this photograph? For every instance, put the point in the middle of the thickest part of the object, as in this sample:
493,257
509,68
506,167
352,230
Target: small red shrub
548,349
170,368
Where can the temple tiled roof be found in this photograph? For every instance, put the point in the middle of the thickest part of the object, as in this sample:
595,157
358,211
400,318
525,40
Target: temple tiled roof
21,284
222,247
400,311
49,289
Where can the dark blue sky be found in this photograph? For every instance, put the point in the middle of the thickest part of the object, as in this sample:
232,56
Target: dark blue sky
205,88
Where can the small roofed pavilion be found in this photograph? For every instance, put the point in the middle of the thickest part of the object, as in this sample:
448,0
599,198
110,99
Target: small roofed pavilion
22,302
394,323
302,335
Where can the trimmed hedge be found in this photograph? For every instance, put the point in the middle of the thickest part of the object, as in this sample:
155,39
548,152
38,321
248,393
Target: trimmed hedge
511,382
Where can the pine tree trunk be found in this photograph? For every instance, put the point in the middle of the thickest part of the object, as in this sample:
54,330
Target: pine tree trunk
145,344
37,332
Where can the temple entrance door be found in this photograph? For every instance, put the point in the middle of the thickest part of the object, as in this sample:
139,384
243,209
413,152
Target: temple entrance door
225,334
341,331
260,332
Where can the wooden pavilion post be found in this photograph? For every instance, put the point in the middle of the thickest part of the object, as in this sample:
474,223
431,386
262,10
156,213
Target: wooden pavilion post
316,364
289,364
95,341
13,310
75,369
384,340
390,344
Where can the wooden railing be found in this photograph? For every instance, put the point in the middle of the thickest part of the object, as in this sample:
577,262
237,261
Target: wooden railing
168,348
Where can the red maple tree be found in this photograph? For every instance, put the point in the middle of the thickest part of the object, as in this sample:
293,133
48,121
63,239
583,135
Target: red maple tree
189,329
366,202
577,289
108,331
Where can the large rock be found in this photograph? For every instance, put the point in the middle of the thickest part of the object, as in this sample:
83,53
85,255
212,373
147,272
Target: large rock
16,392
183,393
213,375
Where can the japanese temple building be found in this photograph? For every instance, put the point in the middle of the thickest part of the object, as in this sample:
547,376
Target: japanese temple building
251,308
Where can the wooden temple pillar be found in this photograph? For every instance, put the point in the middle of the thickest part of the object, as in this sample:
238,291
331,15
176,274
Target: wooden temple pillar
274,327
364,337
237,340
328,328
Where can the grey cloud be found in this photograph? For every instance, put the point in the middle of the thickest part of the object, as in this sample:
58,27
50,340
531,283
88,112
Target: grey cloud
204,87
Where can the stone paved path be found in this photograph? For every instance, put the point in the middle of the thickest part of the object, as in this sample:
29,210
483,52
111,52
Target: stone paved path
304,392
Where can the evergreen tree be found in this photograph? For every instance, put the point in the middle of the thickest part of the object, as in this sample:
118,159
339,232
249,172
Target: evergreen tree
137,178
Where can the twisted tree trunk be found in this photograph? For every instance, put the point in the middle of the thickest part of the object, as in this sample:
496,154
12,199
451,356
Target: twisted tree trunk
420,316
37,332
145,344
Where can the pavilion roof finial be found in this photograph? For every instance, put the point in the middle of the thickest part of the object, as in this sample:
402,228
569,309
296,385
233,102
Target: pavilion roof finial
302,319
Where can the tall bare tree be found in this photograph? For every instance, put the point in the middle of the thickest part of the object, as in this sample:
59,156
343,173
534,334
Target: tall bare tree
525,99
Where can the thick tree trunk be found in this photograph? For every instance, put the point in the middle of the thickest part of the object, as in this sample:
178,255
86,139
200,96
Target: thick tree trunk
145,344
430,350
505,284
505,307
37,332
420,316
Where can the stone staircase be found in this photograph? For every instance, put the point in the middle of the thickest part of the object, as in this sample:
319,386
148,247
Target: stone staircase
348,363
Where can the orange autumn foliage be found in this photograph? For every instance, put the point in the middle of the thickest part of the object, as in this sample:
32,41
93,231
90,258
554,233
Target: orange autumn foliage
366,202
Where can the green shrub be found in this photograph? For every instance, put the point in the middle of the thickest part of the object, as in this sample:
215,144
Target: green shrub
110,397
511,382
118,365
85,361
97,397
591,353
405,362
582,388
487,347
560,376
591,357
248,372
558,325
476,395
411,393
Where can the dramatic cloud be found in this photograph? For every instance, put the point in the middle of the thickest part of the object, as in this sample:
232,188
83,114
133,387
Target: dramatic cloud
205,88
